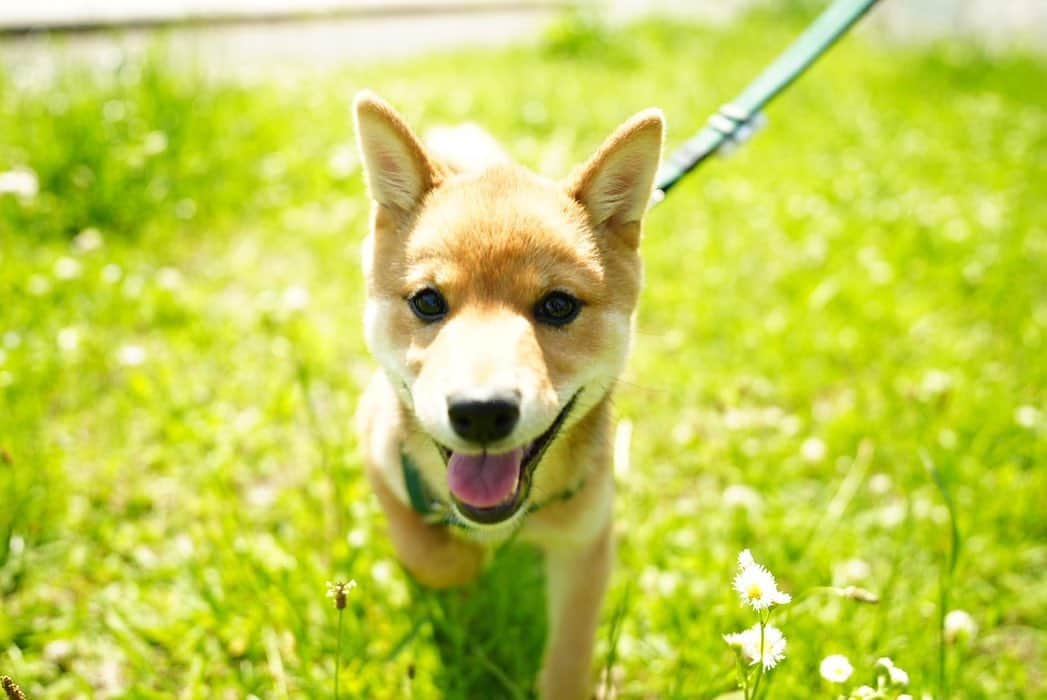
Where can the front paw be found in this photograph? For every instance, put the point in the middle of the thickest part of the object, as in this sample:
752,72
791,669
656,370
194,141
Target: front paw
564,679
445,563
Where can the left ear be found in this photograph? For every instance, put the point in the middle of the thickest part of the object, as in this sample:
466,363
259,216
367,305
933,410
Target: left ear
399,171
614,185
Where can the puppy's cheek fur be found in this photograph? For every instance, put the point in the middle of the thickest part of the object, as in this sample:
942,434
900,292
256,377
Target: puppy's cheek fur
540,402
591,351
430,406
386,325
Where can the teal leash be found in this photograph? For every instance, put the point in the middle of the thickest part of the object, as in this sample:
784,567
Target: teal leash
739,119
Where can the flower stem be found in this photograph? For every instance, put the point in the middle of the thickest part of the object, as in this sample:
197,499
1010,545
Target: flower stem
948,569
759,659
338,654
743,675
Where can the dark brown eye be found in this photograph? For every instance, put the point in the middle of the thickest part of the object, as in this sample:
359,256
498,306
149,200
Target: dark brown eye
428,305
557,309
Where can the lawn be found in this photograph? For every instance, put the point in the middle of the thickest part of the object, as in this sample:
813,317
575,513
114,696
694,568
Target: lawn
843,330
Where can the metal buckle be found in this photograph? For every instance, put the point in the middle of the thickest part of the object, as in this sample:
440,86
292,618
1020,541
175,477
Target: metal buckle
736,126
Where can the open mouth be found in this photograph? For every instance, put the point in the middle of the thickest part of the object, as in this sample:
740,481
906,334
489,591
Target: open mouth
489,488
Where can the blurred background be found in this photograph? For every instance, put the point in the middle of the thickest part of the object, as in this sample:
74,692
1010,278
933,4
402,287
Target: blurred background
839,360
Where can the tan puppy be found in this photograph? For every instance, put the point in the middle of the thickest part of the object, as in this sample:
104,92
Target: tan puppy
499,306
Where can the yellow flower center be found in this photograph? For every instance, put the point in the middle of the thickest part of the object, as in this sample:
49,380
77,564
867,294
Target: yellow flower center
755,592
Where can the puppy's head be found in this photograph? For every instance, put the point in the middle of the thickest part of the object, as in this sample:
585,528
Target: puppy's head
500,302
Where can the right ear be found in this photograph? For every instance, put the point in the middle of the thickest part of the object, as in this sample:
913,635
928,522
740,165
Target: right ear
615,184
398,170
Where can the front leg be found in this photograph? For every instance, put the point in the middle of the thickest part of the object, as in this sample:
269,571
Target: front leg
434,556
576,581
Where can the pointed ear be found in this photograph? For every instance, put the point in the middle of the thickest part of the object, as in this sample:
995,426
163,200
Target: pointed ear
399,172
615,184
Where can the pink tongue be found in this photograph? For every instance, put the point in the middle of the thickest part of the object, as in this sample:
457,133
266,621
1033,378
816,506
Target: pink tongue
484,480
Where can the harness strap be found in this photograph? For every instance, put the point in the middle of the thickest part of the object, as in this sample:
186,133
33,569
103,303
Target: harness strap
736,120
421,500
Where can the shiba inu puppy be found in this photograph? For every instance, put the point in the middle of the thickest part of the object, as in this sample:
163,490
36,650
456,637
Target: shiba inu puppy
499,307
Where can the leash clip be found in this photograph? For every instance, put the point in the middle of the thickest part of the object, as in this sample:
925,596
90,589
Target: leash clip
737,127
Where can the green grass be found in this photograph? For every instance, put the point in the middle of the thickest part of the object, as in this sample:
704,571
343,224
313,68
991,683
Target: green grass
867,273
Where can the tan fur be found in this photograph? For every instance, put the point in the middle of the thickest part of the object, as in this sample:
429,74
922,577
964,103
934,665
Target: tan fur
494,238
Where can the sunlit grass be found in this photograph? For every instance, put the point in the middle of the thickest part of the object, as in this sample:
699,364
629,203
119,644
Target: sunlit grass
858,291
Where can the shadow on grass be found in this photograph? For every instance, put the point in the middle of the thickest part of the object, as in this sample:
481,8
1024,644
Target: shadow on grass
488,636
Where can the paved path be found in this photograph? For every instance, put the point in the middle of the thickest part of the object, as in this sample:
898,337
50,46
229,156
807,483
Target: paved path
342,30
356,30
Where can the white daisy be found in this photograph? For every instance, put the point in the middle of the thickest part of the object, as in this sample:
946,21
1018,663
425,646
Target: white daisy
897,675
111,273
67,268
756,585
87,240
68,339
38,285
1026,416
748,642
57,651
813,449
959,625
743,497
295,298
21,182
836,668
131,355
168,278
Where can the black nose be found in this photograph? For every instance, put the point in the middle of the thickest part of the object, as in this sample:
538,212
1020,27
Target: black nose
483,421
